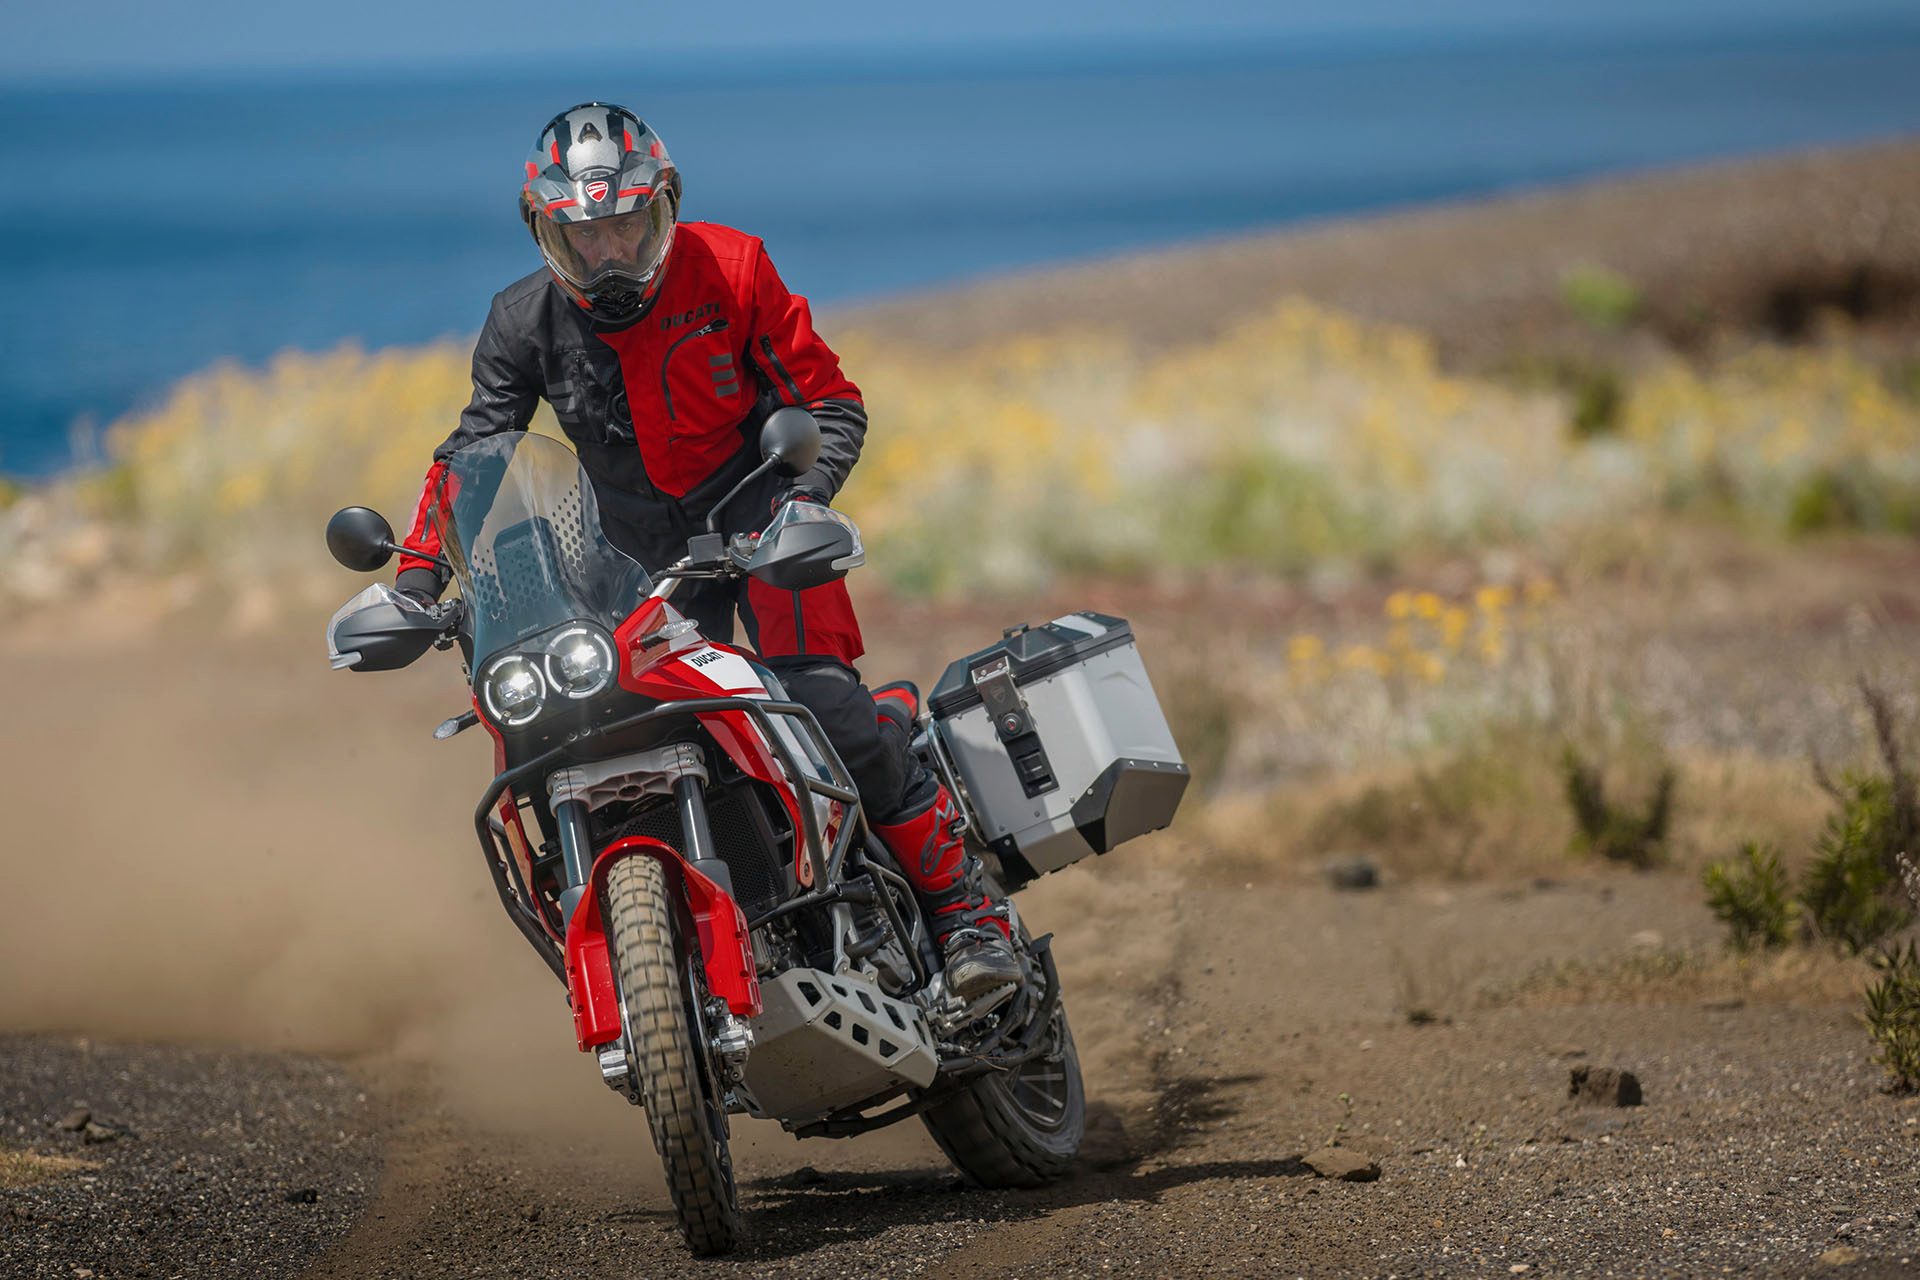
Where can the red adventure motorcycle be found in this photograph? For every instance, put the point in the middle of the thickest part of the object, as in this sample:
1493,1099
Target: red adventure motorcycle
681,844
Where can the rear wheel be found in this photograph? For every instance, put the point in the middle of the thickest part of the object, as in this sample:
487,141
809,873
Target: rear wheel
661,1009
1022,1127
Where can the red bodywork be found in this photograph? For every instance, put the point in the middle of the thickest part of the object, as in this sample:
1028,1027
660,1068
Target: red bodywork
671,672
718,923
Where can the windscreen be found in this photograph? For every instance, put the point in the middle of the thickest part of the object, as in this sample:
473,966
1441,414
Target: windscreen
520,526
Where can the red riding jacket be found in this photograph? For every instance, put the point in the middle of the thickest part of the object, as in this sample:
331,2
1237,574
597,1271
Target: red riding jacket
665,412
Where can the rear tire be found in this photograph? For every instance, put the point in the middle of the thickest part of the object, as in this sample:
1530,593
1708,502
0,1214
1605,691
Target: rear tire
689,1124
1018,1128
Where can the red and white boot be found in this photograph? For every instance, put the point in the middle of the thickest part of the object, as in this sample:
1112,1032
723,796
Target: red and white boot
970,927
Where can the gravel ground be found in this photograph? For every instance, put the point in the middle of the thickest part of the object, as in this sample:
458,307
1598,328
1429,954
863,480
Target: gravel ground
1764,1145
197,1163
1221,1023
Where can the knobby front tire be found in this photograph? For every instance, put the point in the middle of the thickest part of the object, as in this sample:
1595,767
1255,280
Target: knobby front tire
688,1124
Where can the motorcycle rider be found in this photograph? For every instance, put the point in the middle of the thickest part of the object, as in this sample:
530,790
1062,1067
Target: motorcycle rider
662,346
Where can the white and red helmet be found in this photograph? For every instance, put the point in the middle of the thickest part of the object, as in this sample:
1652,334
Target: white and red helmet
601,198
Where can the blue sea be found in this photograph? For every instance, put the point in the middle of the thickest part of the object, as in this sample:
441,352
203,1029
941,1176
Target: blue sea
147,231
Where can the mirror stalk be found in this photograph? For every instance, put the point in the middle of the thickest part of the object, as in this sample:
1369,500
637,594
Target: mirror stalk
789,440
398,550
713,516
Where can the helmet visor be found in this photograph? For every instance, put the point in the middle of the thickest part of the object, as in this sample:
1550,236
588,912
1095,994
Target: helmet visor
625,246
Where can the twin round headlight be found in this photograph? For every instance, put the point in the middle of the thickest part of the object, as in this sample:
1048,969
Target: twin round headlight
576,663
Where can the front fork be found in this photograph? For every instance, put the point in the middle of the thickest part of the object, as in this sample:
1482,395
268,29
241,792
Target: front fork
726,1038
576,853
576,841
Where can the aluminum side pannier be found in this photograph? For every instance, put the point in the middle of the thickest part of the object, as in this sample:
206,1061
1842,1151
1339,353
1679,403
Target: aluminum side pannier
1058,742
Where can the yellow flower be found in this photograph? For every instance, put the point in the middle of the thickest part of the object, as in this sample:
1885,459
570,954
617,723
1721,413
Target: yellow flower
1493,599
1427,605
1304,649
1361,657
1400,605
1540,590
241,491
1453,626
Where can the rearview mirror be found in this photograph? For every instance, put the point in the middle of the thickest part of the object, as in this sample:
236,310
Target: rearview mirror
360,538
791,439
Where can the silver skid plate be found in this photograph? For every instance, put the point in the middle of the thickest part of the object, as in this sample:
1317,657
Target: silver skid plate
825,1041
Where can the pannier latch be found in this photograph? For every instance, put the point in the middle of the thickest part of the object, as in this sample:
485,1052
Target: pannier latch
1013,725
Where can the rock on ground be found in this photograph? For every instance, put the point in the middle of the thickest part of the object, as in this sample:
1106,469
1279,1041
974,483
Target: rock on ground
1342,1164
1608,1086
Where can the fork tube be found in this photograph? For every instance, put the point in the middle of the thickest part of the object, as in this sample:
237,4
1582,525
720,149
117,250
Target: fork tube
691,800
575,859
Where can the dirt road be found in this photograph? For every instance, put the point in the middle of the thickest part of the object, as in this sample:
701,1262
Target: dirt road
1763,1141
272,855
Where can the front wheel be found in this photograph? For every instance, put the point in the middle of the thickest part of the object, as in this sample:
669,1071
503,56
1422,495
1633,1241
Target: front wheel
1018,1128
660,1009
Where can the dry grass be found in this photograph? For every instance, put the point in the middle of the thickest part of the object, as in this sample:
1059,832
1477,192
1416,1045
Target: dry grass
1489,808
25,1168
1299,442
1649,977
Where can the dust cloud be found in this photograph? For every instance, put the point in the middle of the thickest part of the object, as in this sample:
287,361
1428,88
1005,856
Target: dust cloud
215,838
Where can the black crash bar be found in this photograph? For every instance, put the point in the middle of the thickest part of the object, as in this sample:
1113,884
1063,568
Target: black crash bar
517,897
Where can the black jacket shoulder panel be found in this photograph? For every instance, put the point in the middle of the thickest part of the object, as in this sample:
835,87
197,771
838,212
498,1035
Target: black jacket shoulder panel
527,288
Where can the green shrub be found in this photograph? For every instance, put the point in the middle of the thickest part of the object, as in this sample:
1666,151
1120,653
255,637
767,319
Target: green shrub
1599,398
1850,888
1835,498
1749,894
1823,501
1893,1015
1605,300
1616,832
1597,393
1904,378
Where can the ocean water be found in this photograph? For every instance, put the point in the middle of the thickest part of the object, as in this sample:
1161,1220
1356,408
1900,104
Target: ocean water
147,232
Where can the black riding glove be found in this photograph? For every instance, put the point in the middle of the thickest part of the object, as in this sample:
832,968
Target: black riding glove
798,493
421,584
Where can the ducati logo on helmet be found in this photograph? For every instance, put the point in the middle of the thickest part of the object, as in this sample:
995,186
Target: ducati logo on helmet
596,190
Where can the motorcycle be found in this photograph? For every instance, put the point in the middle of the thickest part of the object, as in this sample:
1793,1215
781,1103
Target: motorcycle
680,843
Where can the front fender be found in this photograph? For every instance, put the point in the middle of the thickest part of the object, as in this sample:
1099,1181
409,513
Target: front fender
720,926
